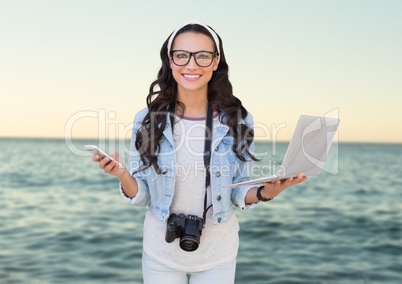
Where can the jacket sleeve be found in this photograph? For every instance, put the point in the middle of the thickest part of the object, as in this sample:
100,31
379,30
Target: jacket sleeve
142,198
243,173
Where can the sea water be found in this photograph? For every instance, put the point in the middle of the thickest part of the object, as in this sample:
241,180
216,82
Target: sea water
62,219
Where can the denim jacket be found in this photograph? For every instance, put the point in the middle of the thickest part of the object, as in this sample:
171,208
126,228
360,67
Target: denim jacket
156,190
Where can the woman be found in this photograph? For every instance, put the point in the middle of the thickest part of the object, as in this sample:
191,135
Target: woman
194,138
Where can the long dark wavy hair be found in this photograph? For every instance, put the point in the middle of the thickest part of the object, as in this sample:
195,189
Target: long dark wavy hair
162,100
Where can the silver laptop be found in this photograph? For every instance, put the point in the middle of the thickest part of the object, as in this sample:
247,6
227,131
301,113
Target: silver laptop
307,150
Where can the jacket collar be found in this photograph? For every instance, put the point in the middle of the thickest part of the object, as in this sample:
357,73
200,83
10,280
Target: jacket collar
167,132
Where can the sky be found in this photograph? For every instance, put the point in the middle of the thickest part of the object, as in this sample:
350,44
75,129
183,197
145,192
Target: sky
82,69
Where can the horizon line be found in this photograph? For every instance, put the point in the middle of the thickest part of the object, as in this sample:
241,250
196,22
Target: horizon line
257,140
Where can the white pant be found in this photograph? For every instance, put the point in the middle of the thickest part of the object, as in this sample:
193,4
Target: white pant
154,272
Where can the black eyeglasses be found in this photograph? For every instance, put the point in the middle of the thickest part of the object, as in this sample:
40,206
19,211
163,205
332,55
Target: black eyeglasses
202,58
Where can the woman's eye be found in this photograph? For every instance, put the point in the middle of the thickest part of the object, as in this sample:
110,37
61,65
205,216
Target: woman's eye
182,55
204,56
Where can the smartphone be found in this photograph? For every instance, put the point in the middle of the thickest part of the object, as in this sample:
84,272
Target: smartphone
96,151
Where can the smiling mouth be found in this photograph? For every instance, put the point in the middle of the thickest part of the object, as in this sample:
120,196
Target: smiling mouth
191,76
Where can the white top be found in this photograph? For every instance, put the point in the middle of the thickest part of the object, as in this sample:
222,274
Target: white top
218,243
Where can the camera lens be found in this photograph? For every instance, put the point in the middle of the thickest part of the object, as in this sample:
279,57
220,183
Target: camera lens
189,243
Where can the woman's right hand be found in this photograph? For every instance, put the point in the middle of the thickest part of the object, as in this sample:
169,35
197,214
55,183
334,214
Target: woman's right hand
109,166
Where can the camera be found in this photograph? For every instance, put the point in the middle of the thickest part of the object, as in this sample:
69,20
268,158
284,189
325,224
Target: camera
187,228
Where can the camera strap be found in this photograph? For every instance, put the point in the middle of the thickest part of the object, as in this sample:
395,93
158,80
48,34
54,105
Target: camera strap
207,157
207,151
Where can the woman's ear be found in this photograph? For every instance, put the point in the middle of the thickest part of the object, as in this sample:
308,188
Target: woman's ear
170,62
215,64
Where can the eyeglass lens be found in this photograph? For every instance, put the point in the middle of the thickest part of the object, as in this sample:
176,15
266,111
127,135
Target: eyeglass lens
202,58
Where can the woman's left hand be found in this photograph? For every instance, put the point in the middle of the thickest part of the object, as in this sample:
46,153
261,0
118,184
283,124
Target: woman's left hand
271,190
